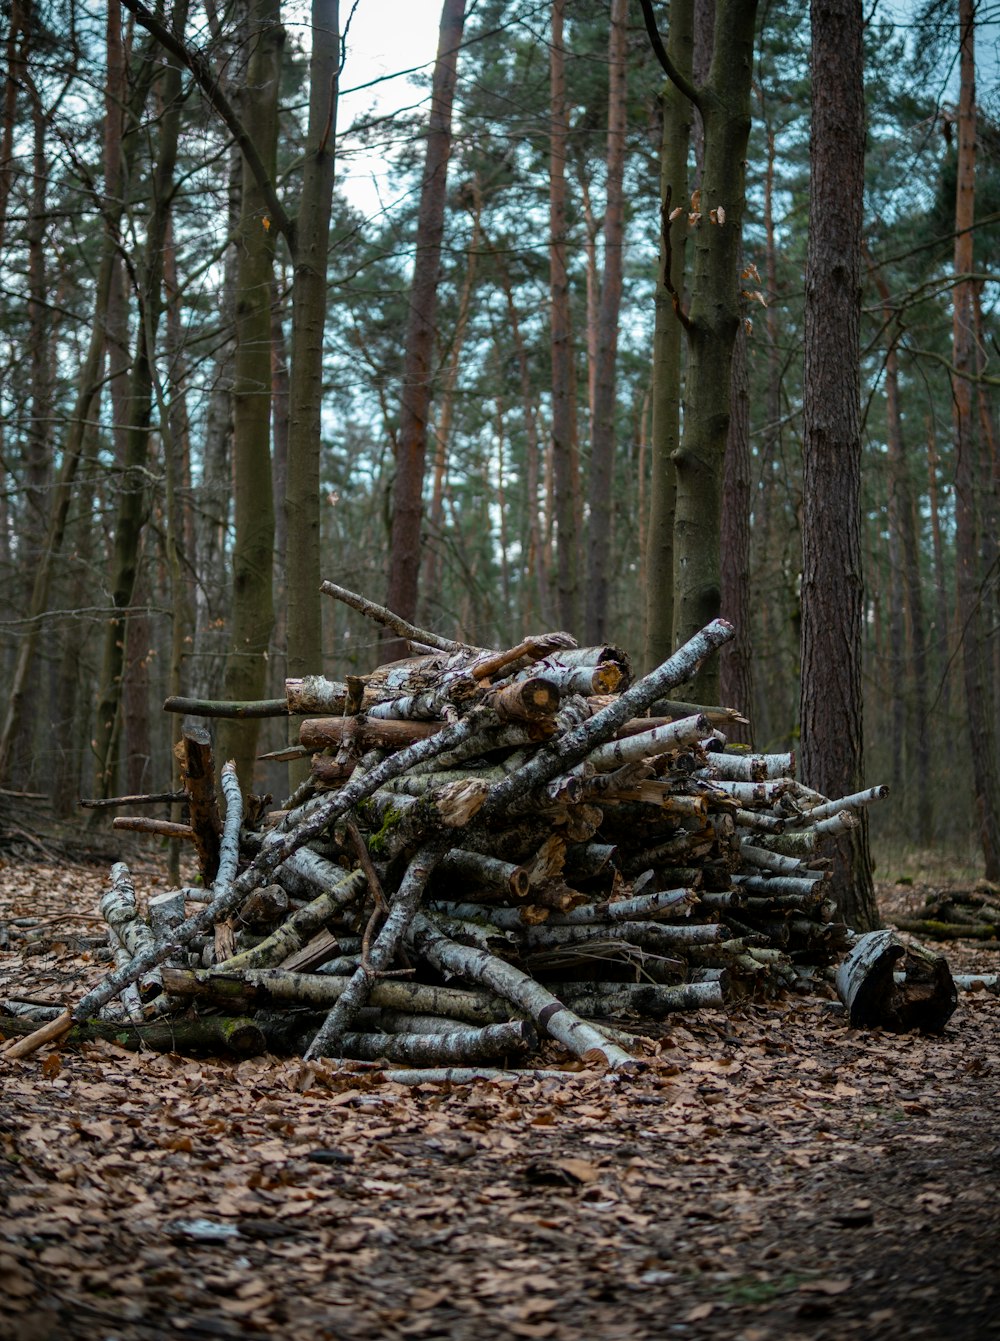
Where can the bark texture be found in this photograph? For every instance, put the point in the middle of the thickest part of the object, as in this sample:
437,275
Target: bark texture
832,583
969,533
418,369
253,603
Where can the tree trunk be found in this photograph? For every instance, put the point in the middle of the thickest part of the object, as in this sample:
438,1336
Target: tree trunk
133,501
714,318
736,660
411,444
215,487
309,294
903,513
968,531
537,568
565,451
668,339
832,586
442,433
989,475
252,616
602,447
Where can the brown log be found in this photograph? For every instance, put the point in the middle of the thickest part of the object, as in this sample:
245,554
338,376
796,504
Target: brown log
949,931
529,650
718,716
197,767
323,947
514,881
525,700
145,824
326,733
263,908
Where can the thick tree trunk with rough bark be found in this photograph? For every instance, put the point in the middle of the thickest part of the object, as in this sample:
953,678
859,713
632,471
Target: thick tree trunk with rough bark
713,321
832,583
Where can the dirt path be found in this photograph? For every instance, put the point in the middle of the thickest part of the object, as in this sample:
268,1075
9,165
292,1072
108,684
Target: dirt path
772,1174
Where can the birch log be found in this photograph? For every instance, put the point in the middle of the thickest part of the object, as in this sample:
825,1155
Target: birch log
550,1015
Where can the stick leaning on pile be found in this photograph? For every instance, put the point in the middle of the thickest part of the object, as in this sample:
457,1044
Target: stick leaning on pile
294,832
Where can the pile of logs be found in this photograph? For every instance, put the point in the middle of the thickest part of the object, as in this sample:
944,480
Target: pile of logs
959,914
491,848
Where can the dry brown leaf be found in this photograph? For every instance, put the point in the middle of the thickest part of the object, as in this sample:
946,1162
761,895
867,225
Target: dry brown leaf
828,1286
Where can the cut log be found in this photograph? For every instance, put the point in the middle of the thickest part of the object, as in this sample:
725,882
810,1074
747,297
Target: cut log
923,998
208,1035
276,987
121,912
197,767
381,955
461,1045
549,1013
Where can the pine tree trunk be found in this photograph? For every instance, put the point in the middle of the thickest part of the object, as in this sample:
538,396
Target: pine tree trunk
668,339
968,533
714,318
565,450
309,293
133,503
432,575
602,446
215,490
832,586
538,589
736,661
411,444
252,615
903,512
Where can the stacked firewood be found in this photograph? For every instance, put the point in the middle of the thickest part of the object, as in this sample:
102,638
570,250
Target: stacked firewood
491,848
959,914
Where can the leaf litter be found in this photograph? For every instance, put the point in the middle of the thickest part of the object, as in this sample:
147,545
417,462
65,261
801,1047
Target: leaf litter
771,1173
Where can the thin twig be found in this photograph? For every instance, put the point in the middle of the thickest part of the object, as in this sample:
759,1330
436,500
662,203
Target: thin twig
401,626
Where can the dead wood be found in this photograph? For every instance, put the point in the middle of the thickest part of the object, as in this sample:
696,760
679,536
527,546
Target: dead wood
161,828
209,1035
197,768
495,818
923,995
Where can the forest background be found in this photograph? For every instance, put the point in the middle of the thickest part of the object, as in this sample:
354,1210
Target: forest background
223,377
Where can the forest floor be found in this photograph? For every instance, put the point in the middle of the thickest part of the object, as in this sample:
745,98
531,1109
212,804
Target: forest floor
771,1174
